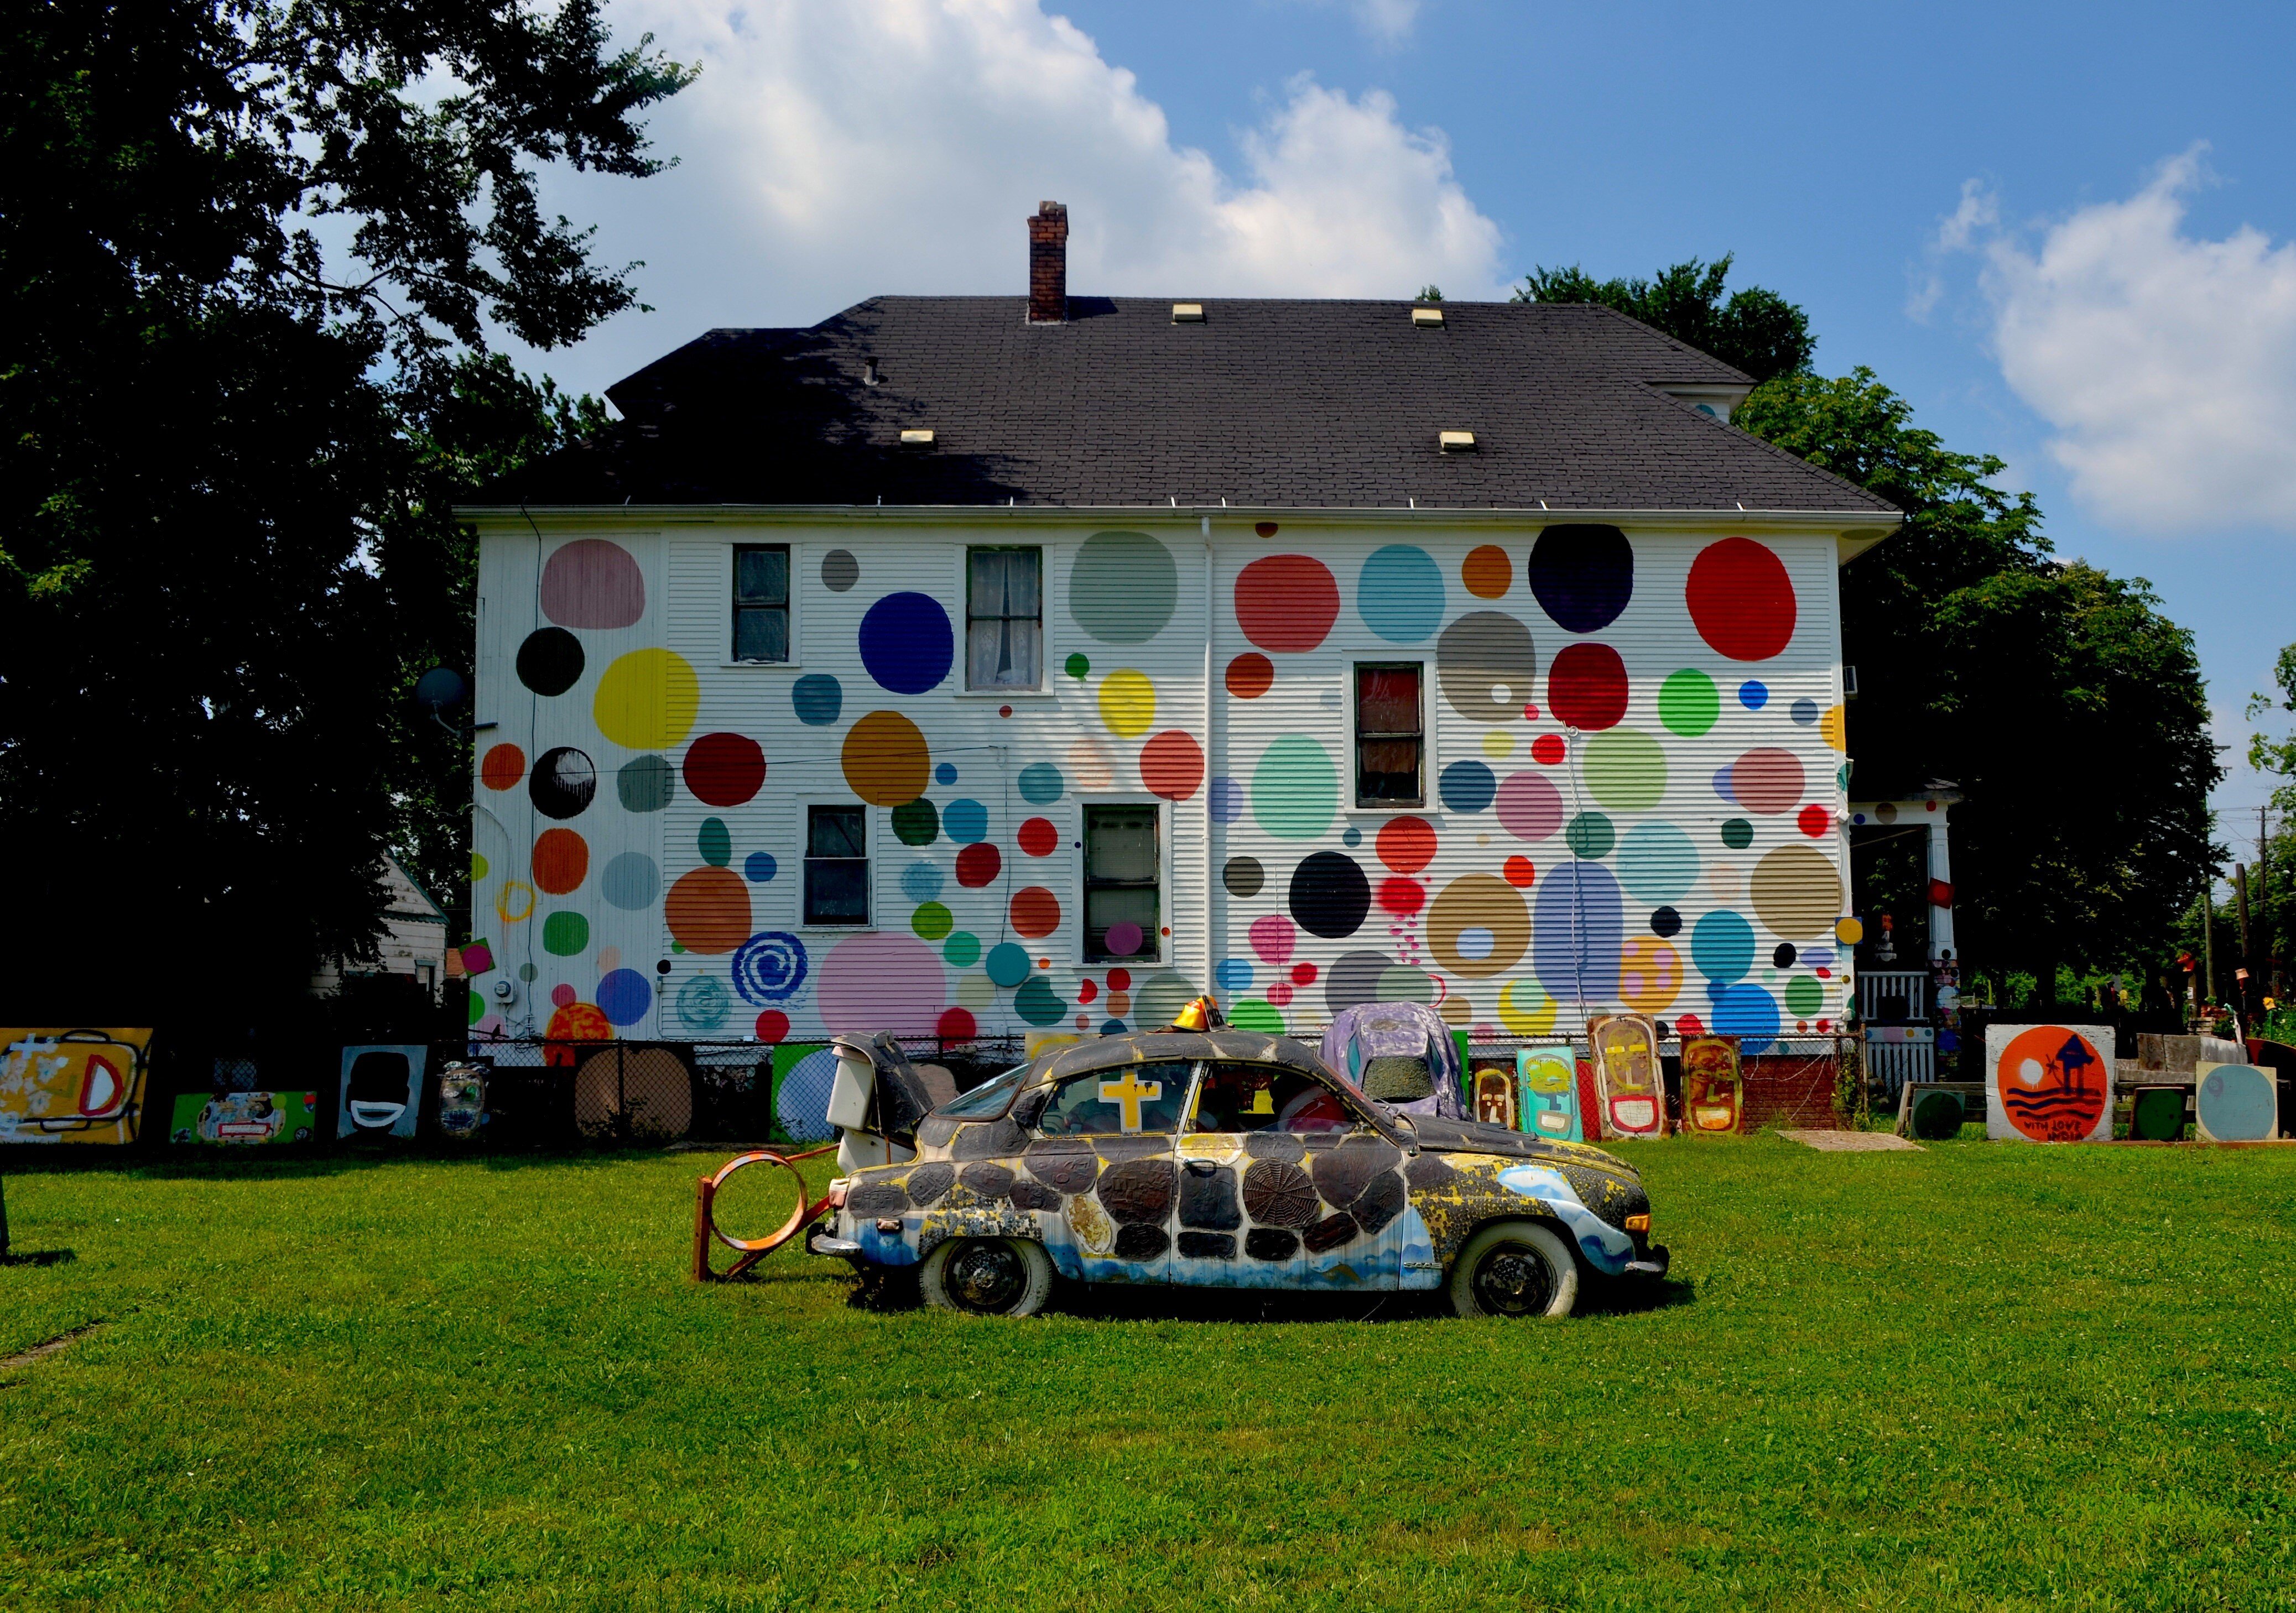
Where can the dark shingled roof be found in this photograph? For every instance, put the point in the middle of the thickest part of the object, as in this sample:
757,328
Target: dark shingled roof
1266,404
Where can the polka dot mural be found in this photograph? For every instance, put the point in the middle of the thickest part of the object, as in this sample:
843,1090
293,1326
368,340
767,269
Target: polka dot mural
885,760
561,862
724,769
1625,770
1399,594
1741,600
1529,807
647,700
1127,703
769,967
1249,677
906,643
646,783
592,582
503,767
1329,895
1688,703
1172,766
1582,575
1295,788
1486,667
817,698
840,570
708,910
1286,603
1487,572
1586,686
562,782
1477,926
1577,932
870,983
1797,893
550,661
1123,587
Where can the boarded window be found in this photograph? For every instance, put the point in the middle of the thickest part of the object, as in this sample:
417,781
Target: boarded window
1123,893
1390,739
836,865
1129,1098
1004,619
761,615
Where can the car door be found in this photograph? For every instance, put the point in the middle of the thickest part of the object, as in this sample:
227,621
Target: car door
1284,1183
1103,1143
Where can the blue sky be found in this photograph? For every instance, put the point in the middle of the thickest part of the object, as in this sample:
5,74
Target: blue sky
2061,231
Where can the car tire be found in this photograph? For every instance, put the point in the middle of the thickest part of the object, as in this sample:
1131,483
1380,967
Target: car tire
988,1276
1514,1268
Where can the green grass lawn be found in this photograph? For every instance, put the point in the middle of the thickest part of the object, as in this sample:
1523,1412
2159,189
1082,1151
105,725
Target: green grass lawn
1981,1376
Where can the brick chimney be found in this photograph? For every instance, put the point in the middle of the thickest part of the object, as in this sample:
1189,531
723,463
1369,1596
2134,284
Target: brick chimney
1049,263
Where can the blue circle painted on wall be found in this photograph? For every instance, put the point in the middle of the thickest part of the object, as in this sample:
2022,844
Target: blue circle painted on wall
1041,784
1754,695
1038,1003
922,881
1399,594
906,643
624,997
1804,712
1747,1011
1583,576
1577,931
761,866
945,773
1008,964
769,967
818,700
1234,974
704,1002
1657,862
1468,786
965,822
630,881
1722,945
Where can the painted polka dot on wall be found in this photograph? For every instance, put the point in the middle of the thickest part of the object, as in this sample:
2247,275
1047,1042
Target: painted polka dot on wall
562,784
1487,572
1286,603
885,759
1405,845
1123,587
817,698
1039,837
840,570
503,768
647,700
1399,594
1329,895
1172,766
1586,686
724,769
1741,600
1250,675
906,643
1583,576
592,582
1486,667
550,661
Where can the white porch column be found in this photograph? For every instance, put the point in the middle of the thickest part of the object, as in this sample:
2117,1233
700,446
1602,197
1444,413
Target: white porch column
1940,868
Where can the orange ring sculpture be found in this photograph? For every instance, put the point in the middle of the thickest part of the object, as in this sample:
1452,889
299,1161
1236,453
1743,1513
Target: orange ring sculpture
751,1249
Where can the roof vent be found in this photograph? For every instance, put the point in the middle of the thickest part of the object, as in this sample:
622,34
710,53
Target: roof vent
1450,442
1187,313
923,438
1427,318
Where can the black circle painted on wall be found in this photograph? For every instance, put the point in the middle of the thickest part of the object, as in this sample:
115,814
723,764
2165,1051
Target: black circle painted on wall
1583,576
1329,895
561,784
1244,876
1784,955
550,661
1666,922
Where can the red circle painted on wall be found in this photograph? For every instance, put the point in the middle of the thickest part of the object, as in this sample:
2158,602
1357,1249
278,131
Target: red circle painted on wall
1741,600
1814,821
1250,675
1406,845
1586,686
1402,896
1039,837
1172,764
1286,603
503,766
978,865
1547,749
1520,872
1036,912
956,1025
773,1026
724,769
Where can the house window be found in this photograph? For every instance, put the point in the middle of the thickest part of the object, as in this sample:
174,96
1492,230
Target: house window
1122,884
761,615
1390,736
836,865
1004,617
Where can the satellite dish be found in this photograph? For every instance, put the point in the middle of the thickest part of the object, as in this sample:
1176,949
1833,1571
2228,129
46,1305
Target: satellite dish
441,689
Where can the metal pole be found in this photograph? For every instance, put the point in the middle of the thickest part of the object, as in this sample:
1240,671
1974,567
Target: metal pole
3,1216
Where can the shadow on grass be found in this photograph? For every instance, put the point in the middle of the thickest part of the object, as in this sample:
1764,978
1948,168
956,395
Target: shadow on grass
293,1164
39,1256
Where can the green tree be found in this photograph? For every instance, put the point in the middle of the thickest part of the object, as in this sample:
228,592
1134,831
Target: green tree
1753,330
1974,648
228,449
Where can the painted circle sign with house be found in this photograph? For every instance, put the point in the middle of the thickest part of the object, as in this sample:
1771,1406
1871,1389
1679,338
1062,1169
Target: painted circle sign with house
2050,1082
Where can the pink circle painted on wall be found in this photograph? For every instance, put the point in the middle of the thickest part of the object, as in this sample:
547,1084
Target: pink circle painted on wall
592,582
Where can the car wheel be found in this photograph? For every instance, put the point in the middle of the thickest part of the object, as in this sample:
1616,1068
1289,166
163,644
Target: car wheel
1514,1268
988,1276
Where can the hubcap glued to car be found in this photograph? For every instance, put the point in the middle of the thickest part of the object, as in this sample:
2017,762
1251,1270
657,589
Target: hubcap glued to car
1513,1281
986,1277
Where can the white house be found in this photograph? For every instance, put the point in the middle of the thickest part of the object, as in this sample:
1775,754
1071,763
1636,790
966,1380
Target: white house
975,664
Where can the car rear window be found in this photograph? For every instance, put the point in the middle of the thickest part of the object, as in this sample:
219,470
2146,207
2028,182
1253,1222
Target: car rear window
988,1100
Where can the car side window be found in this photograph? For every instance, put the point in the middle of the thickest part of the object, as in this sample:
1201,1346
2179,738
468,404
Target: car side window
1268,1097
1148,1098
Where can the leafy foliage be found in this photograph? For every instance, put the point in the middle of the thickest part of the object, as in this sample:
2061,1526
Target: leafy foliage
1985,663
227,452
1754,330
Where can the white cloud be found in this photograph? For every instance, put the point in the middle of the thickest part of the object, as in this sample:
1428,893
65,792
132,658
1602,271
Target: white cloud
1956,231
2165,364
832,152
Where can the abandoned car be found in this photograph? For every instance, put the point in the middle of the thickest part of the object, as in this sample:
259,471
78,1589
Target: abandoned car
1219,1159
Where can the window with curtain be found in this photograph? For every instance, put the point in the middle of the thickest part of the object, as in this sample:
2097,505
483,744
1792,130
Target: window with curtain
761,599
1390,737
1004,619
1123,876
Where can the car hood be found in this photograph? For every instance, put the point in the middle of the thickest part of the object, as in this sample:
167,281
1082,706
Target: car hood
1473,1137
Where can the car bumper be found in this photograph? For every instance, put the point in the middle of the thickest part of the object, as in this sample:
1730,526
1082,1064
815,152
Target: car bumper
1651,1265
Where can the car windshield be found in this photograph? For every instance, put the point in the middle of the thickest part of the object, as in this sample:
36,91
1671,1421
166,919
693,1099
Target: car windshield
988,1100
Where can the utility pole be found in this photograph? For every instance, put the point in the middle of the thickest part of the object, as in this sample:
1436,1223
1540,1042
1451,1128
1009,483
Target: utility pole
2245,977
2209,936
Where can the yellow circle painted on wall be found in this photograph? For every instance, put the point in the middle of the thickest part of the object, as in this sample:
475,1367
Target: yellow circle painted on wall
515,902
1525,1009
1849,932
647,700
1833,727
1127,703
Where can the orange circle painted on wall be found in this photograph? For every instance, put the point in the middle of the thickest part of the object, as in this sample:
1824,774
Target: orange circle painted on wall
503,766
1036,912
708,910
1487,571
562,861
886,759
